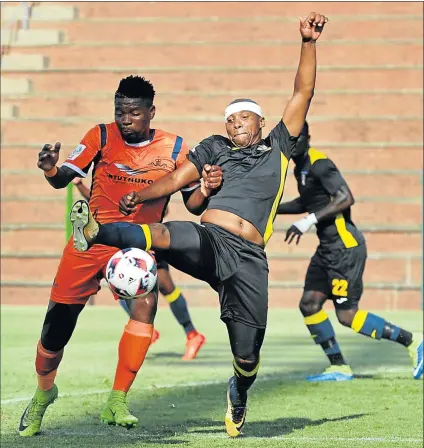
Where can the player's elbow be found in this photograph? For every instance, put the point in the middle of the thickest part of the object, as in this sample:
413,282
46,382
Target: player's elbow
306,91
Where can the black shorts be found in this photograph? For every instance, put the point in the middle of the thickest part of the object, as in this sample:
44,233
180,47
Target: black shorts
236,268
338,274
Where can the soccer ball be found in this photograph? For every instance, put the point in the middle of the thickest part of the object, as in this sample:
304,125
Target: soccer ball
131,273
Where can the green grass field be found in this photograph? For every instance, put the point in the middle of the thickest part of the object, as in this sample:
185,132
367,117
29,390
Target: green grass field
182,403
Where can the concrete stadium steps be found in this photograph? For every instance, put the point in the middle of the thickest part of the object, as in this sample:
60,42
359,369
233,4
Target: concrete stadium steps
378,241
18,62
41,11
404,271
204,103
8,111
141,29
32,37
381,210
22,157
230,9
195,127
52,240
14,86
200,294
71,56
384,185
279,77
371,53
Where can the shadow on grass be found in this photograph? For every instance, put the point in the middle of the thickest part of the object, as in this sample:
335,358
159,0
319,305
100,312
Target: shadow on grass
174,416
178,416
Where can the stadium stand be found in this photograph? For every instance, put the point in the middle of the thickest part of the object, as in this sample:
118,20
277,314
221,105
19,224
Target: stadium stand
58,78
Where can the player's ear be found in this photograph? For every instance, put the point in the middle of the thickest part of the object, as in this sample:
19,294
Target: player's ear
152,112
262,122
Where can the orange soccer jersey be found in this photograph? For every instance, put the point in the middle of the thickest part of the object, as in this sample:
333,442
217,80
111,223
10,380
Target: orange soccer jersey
118,169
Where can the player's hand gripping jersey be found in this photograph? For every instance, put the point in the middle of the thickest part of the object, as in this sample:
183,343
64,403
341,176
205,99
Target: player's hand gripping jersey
253,177
120,168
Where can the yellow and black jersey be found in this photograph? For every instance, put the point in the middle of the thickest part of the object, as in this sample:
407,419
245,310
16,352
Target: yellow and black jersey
253,177
318,180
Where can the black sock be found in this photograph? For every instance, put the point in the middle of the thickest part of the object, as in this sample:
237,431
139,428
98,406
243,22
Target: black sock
397,334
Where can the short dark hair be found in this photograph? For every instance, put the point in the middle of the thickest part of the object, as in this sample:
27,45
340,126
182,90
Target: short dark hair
136,87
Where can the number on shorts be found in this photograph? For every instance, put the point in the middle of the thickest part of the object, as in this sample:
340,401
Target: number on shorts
339,287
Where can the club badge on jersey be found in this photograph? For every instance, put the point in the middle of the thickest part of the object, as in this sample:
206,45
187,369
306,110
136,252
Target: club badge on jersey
303,175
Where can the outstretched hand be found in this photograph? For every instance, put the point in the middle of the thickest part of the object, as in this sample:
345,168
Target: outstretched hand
292,233
312,26
48,157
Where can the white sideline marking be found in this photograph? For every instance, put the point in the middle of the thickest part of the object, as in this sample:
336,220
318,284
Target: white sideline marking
199,383
103,391
129,435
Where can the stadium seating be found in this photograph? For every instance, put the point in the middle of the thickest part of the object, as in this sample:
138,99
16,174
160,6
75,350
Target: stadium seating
58,79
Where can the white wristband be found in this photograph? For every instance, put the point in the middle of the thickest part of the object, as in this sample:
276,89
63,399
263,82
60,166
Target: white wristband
312,218
306,223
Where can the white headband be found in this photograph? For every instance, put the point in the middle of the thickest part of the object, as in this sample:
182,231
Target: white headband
243,105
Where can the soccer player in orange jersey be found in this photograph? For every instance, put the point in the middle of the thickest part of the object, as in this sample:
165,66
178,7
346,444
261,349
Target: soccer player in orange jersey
170,292
125,155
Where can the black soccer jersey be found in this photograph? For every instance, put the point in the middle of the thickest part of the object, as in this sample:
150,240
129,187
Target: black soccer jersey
253,177
318,179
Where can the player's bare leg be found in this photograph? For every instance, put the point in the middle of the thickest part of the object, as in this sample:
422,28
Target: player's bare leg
133,347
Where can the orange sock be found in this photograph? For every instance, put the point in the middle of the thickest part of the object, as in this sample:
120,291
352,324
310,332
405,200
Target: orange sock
135,342
46,364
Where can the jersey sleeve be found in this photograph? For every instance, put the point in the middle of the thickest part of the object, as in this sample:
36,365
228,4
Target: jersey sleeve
82,156
328,175
281,138
202,154
182,156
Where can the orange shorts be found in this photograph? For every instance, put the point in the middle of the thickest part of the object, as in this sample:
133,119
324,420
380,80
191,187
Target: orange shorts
79,273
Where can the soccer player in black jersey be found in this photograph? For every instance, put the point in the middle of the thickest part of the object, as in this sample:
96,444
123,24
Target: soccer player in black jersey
336,269
227,249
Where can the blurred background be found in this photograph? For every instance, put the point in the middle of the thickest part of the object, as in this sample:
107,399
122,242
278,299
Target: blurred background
62,62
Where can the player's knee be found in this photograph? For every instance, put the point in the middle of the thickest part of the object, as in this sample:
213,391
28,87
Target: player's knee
161,236
310,304
144,309
247,363
346,317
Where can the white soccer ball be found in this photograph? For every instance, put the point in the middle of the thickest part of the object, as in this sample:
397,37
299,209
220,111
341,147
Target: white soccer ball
131,273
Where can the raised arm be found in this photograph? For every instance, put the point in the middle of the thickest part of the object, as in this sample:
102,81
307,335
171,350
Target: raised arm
304,84
57,177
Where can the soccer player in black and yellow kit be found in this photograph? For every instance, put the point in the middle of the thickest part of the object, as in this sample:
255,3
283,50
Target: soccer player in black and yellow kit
336,269
227,249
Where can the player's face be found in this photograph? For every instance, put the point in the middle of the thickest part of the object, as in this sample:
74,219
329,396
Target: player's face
133,117
244,128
